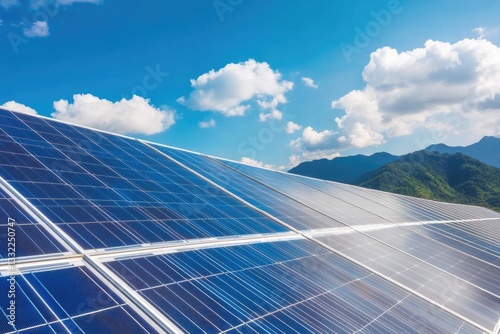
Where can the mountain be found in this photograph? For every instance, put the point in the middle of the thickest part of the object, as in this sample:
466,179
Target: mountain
343,169
486,150
447,177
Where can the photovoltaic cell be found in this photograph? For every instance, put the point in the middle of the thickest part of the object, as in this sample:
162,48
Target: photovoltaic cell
28,237
107,191
280,287
69,300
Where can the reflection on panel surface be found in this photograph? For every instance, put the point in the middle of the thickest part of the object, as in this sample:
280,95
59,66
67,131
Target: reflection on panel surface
280,287
348,214
441,286
416,208
280,206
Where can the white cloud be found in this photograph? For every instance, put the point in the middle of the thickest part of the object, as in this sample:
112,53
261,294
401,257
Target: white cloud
207,124
311,140
291,127
37,4
37,29
480,31
253,162
296,159
309,82
9,3
70,2
486,32
14,106
448,89
134,116
231,89
275,114
313,145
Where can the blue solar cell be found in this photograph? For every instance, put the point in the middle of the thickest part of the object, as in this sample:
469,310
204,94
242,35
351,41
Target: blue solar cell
70,299
116,320
28,237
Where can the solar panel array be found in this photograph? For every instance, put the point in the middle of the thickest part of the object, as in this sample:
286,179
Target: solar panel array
102,233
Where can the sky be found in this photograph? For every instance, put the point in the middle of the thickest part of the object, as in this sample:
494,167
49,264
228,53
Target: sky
270,83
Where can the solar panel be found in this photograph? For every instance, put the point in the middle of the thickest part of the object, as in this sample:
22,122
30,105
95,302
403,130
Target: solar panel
316,197
278,205
116,235
289,286
422,209
347,213
480,304
107,191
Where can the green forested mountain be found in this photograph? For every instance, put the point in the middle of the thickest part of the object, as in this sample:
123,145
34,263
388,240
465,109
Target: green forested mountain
343,169
486,150
447,177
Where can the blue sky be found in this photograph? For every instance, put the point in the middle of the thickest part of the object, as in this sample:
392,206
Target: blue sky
270,82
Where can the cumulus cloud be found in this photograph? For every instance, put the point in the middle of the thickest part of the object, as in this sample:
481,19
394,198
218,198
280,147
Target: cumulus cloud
313,145
440,92
134,116
70,2
312,140
254,162
37,29
9,3
296,159
480,31
275,114
309,82
233,88
485,32
423,89
15,106
291,127
207,124
37,4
